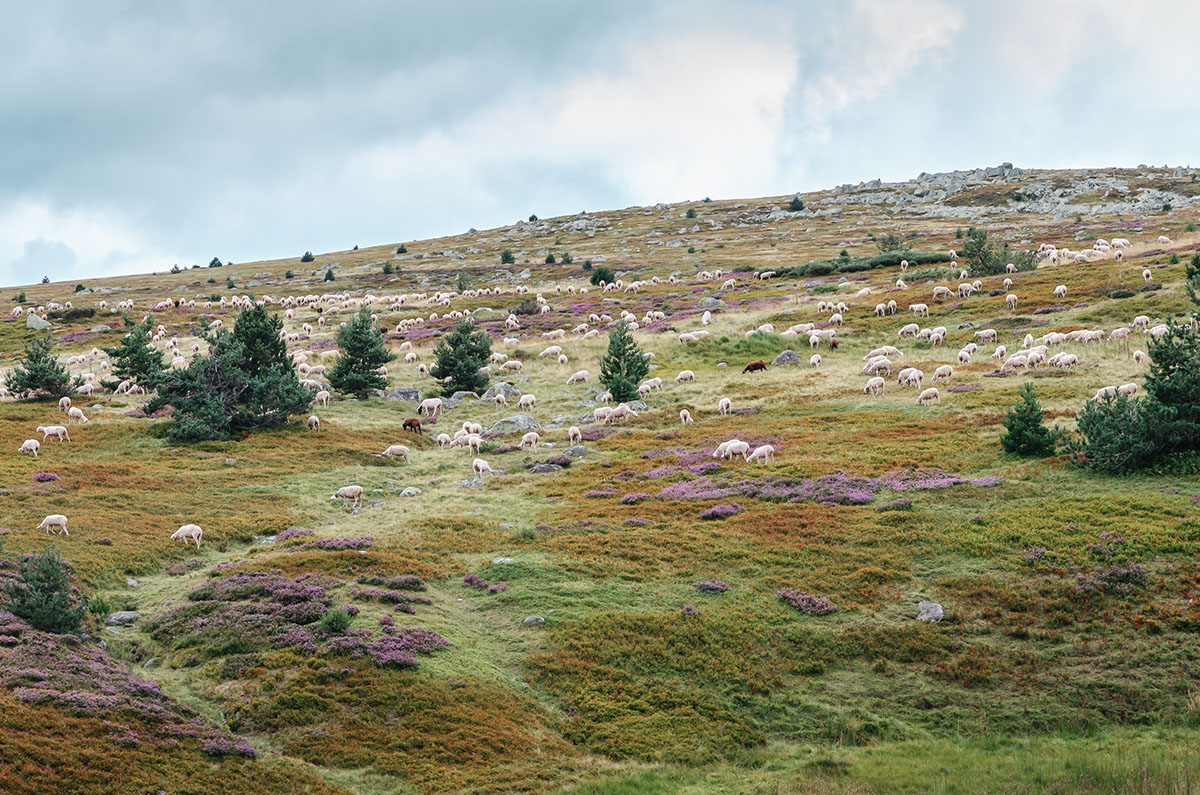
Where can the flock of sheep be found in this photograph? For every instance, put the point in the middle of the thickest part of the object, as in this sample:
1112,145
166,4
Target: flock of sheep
878,363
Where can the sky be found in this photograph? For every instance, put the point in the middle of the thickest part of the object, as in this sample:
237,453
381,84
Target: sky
134,135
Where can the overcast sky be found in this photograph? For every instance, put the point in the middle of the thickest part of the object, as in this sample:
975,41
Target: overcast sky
138,135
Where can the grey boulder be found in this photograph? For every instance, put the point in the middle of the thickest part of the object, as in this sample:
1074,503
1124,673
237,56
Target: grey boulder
929,611
36,323
121,618
405,393
787,357
517,422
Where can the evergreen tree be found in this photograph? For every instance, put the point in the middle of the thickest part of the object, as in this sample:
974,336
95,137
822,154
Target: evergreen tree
602,274
361,353
41,594
329,275
136,358
1173,390
244,383
624,366
1192,279
506,257
1026,434
460,356
795,205
39,373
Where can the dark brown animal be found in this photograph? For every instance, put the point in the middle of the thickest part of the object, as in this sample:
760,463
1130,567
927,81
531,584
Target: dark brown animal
833,343
413,424
755,366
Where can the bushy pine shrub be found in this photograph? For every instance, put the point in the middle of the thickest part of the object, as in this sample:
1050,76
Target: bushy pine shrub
460,355
360,354
41,594
1025,433
39,373
135,357
624,366
602,274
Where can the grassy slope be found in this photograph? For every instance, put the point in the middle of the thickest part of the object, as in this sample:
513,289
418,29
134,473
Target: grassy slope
1030,687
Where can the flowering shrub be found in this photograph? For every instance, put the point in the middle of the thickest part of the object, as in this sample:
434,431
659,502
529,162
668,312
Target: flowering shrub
475,581
634,499
1117,580
403,582
711,586
45,477
228,746
105,541
594,493
902,504
343,543
293,532
806,602
721,511
689,610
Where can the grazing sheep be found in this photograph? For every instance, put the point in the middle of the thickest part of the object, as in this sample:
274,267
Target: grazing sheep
479,466
1060,291
920,310
724,406
64,403
1147,275
685,375
30,446
314,423
945,372
891,307
836,319
348,494
880,309
604,397
512,364
574,435
57,431
964,357
929,395
75,414
685,417
755,366
431,406
413,424
527,401
764,453
531,440
1139,357
443,440
397,450
1105,392
909,330
54,520
1127,389
941,292
187,531
1164,239
815,360
322,398
736,447
580,377
875,386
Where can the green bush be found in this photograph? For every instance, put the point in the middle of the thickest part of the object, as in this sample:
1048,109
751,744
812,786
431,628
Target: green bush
550,258
402,249
1112,435
981,256
360,354
19,298
388,270
624,366
460,356
821,268
795,205
1173,390
1025,434
246,382
329,275
135,357
74,313
79,288
1173,259
288,275
528,306
566,258
41,594
308,257
506,257
39,373
890,242
691,212
602,274
336,621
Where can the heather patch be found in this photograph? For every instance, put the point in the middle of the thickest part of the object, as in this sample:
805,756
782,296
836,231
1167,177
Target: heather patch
835,489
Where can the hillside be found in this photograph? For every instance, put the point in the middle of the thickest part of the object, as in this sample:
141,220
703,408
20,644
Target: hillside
637,615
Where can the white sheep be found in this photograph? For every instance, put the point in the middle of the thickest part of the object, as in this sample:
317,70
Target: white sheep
479,466
348,494
322,398
502,401
1147,275
929,395
57,431
580,377
443,440
604,397
531,440
54,520
685,375
1060,291
1127,389
396,450
945,372
64,403
30,446
1105,392
815,360
736,447
527,401
724,406
764,453
685,417
574,435
1139,357
920,310
1010,301
75,414
875,386
430,406
314,423
187,531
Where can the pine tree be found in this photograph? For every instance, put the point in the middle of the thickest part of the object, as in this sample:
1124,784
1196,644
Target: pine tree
1192,279
506,257
329,275
244,383
41,594
460,356
1026,434
795,205
1173,390
624,366
361,353
136,358
39,373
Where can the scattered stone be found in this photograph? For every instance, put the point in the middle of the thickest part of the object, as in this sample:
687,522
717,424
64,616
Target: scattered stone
405,393
541,469
517,422
267,540
121,618
929,611
132,583
100,329
503,560
722,364
509,391
411,491
534,621
708,302
787,357
453,401
36,323
474,483
153,661
576,451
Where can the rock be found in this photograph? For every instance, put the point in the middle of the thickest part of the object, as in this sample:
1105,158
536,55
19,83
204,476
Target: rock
515,423
453,401
708,302
411,491
534,621
103,644
473,483
638,405
121,618
722,364
132,583
100,329
36,323
405,393
787,357
576,451
541,469
503,560
509,391
266,541
150,663
929,611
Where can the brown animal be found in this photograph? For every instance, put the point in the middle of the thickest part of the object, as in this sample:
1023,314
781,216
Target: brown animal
413,424
833,343
755,366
